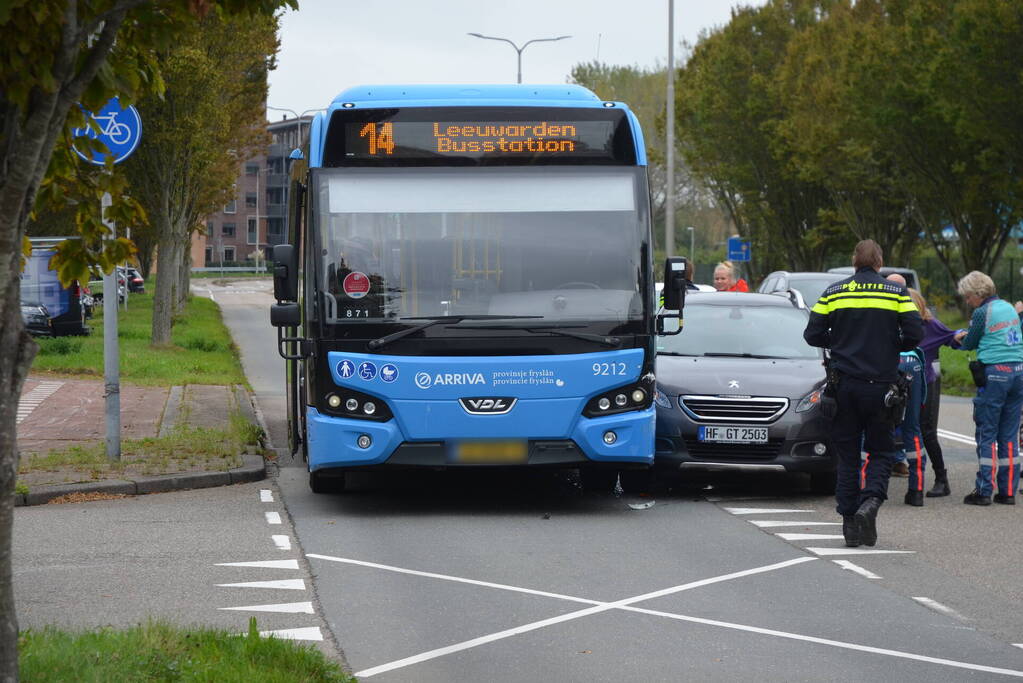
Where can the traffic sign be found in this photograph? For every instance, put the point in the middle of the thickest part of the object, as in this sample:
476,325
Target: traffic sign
120,129
738,249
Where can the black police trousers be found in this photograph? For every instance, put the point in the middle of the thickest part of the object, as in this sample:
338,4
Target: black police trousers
859,426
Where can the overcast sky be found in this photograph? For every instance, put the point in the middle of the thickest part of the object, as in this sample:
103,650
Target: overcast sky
330,45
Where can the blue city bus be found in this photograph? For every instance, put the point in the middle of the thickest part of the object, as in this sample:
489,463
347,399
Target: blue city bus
469,283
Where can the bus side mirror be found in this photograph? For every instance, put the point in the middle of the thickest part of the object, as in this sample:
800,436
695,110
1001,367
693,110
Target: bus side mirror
285,315
285,273
669,322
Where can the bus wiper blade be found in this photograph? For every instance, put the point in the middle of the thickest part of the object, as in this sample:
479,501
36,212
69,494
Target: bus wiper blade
437,320
553,329
740,355
675,353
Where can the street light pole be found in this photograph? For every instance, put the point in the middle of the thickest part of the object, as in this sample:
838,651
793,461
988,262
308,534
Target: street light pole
517,48
669,194
297,116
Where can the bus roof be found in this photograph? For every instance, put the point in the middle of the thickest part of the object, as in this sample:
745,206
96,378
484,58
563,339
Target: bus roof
460,95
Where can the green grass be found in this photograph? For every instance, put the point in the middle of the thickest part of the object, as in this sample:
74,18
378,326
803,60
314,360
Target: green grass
956,379
228,275
185,448
201,351
160,652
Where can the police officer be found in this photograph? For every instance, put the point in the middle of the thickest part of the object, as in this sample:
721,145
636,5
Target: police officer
866,321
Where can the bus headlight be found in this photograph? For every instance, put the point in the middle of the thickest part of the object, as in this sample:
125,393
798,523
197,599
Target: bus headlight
345,402
620,399
334,400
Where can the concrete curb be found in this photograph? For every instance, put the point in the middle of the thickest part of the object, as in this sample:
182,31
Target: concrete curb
253,469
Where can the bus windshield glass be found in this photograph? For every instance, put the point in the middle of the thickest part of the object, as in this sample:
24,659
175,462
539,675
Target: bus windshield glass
564,243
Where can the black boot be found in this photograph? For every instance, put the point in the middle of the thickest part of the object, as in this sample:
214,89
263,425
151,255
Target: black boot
974,498
866,520
915,498
1005,499
851,531
940,487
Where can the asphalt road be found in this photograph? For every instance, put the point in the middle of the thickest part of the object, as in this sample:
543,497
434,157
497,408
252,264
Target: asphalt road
468,577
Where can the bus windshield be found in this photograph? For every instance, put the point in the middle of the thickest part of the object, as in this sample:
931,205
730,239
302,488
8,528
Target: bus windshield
563,243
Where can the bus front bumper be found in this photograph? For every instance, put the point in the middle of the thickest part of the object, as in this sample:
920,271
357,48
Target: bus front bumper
334,442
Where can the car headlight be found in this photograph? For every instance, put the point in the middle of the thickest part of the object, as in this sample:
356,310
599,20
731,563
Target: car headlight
661,399
810,401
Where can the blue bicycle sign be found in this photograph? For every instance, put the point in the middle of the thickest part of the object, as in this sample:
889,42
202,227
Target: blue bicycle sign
120,129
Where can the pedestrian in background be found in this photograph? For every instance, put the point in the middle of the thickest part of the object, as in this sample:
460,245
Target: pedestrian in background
911,452
998,372
900,468
724,278
936,335
866,321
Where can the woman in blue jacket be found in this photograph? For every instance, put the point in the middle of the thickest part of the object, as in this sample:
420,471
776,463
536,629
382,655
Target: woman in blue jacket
995,333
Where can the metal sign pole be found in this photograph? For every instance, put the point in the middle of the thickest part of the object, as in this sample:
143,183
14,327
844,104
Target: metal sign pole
111,353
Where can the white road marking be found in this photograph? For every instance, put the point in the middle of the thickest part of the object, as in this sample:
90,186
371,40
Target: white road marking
32,400
266,496
1019,645
308,633
760,511
955,436
832,643
810,537
846,564
857,551
773,522
284,584
284,608
265,564
273,517
281,541
597,608
938,607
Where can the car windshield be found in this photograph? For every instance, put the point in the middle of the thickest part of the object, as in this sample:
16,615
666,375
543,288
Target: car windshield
811,289
741,331
561,243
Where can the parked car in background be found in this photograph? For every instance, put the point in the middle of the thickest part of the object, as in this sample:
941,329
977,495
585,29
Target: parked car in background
132,279
809,285
40,287
911,277
36,319
740,390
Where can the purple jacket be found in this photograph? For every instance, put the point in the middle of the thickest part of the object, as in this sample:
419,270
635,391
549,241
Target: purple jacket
936,335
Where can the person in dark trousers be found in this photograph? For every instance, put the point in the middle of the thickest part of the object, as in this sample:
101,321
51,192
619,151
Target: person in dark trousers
936,335
866,321
911,442
995,333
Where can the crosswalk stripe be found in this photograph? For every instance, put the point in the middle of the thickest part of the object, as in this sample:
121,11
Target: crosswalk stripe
283,608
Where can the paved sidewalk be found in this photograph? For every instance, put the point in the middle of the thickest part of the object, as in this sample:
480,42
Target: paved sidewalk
55,413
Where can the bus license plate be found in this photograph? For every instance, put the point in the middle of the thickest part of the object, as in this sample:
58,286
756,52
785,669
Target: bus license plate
723,434
491,452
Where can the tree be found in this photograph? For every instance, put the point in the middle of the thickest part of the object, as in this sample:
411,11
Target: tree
54,55
729,112
216,86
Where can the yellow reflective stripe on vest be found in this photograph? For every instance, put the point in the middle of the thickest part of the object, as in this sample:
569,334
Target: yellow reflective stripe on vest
861,293
872,302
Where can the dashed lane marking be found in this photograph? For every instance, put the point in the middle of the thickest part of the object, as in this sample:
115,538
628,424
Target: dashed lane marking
846,564
266,496
273,517
857,551
308,633
762,511
281,541
284,584
763,523
595,609
810,537
283,608
30,401
955,436
940,608
265,564
1019,645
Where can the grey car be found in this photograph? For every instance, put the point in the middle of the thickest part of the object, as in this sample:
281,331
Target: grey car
739,389
809,285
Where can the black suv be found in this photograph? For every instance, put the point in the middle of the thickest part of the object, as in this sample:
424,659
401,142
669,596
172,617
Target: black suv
739,389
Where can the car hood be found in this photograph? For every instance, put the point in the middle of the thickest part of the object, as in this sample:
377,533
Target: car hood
794,379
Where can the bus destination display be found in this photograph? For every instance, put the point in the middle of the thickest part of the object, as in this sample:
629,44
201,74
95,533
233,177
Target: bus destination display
390,138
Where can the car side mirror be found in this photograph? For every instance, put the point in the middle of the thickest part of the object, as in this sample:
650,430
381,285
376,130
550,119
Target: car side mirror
285,273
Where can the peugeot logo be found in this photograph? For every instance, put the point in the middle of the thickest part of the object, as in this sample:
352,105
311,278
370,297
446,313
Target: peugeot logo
423,380
733,384
487,405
